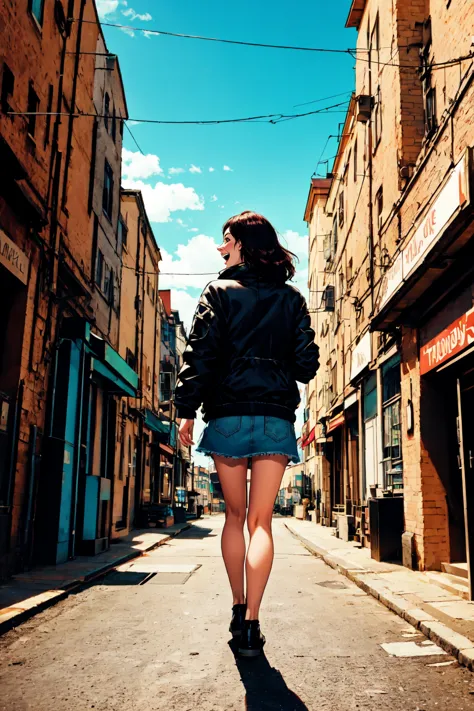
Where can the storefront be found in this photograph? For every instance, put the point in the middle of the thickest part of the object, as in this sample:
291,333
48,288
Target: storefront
14,268
447,370
76,485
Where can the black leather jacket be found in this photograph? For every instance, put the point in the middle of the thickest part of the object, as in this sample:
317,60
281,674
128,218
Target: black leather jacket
250,341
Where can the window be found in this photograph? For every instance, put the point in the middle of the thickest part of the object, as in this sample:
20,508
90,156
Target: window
108,283
375,43
429,94
106,111
355,161
8,86
99,271
148,377
36,8
341,208
377,122
122,234
379,204
33,104
130,358
48,117
114,126
370,397
349,272
391,423
108,193
150,289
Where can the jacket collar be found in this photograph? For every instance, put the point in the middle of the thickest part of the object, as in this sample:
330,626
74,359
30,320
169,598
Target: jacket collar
239,272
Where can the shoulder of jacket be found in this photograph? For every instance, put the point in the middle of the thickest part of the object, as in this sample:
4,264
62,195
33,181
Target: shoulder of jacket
295,292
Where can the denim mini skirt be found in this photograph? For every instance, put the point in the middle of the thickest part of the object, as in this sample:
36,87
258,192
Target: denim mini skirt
240,436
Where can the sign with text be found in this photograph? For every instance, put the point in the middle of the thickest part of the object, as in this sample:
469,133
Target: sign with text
13,258
454,339
452,197
361,355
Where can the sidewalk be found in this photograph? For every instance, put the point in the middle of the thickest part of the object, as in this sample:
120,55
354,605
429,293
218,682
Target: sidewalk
420,598
26,594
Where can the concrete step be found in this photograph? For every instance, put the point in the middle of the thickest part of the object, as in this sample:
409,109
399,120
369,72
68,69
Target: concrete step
457,569
451,583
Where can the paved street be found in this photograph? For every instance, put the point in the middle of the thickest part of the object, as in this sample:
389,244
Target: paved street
164,644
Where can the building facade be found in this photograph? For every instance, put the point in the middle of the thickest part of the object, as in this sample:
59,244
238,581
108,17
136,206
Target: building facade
397,288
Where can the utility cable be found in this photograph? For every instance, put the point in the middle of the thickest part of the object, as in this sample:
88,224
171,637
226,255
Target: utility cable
349,51
267,118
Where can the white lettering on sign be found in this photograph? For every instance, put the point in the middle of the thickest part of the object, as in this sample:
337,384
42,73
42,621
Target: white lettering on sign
13,258
452,196
449,342
361,355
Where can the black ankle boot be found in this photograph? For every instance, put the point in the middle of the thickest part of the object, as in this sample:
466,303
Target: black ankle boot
238,617
251,639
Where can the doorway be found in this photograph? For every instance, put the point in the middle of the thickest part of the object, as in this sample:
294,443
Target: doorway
465,394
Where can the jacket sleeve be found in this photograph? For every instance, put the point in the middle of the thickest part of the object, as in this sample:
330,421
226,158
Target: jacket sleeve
306,352
200,356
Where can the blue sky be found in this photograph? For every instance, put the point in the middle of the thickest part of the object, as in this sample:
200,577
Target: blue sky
269,166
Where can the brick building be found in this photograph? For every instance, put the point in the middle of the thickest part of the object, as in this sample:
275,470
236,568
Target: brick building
392,411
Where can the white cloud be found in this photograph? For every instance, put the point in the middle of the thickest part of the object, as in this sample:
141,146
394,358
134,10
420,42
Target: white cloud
199,254
130,12
222,206
213,198
106,7
195,169
136,166
193,229
296,243
227,169
181,222
163,199
175,171
211,170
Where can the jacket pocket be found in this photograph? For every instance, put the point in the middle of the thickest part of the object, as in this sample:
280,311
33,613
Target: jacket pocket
228,426
276,428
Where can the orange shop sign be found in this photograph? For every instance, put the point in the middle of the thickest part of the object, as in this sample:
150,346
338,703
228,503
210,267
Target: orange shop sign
454,339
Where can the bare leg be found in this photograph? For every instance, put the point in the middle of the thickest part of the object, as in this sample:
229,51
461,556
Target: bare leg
267,473
233,478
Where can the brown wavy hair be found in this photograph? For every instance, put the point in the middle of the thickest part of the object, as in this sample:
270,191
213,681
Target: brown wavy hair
260,246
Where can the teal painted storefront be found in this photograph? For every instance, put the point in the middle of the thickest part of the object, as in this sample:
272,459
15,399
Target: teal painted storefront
76,482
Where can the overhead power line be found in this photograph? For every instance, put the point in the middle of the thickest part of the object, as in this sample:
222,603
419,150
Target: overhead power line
268,118
181,35
330,50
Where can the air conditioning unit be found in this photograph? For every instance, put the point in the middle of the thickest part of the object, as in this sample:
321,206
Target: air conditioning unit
364,108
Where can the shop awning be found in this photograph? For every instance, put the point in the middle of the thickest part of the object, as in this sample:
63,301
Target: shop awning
166,448
307,440
336,422
155,424
113,361
116,383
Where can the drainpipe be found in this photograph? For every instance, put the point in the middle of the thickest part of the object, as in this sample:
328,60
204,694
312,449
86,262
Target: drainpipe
371,186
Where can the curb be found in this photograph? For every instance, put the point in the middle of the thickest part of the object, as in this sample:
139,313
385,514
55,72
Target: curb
455,644
38,603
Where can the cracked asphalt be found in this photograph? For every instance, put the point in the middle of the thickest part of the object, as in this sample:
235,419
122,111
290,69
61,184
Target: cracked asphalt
164,644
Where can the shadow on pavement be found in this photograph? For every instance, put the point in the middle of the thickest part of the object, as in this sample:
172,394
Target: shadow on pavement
198,532
265,688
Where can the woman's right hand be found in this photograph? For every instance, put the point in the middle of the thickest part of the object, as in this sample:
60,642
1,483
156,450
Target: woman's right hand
186,432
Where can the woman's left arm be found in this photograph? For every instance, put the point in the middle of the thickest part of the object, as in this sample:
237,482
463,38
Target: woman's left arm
200,356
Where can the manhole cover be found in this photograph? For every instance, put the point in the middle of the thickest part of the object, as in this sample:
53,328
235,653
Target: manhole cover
126,577
333,584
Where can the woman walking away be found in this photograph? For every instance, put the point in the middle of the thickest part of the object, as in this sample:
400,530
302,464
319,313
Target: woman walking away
250,341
